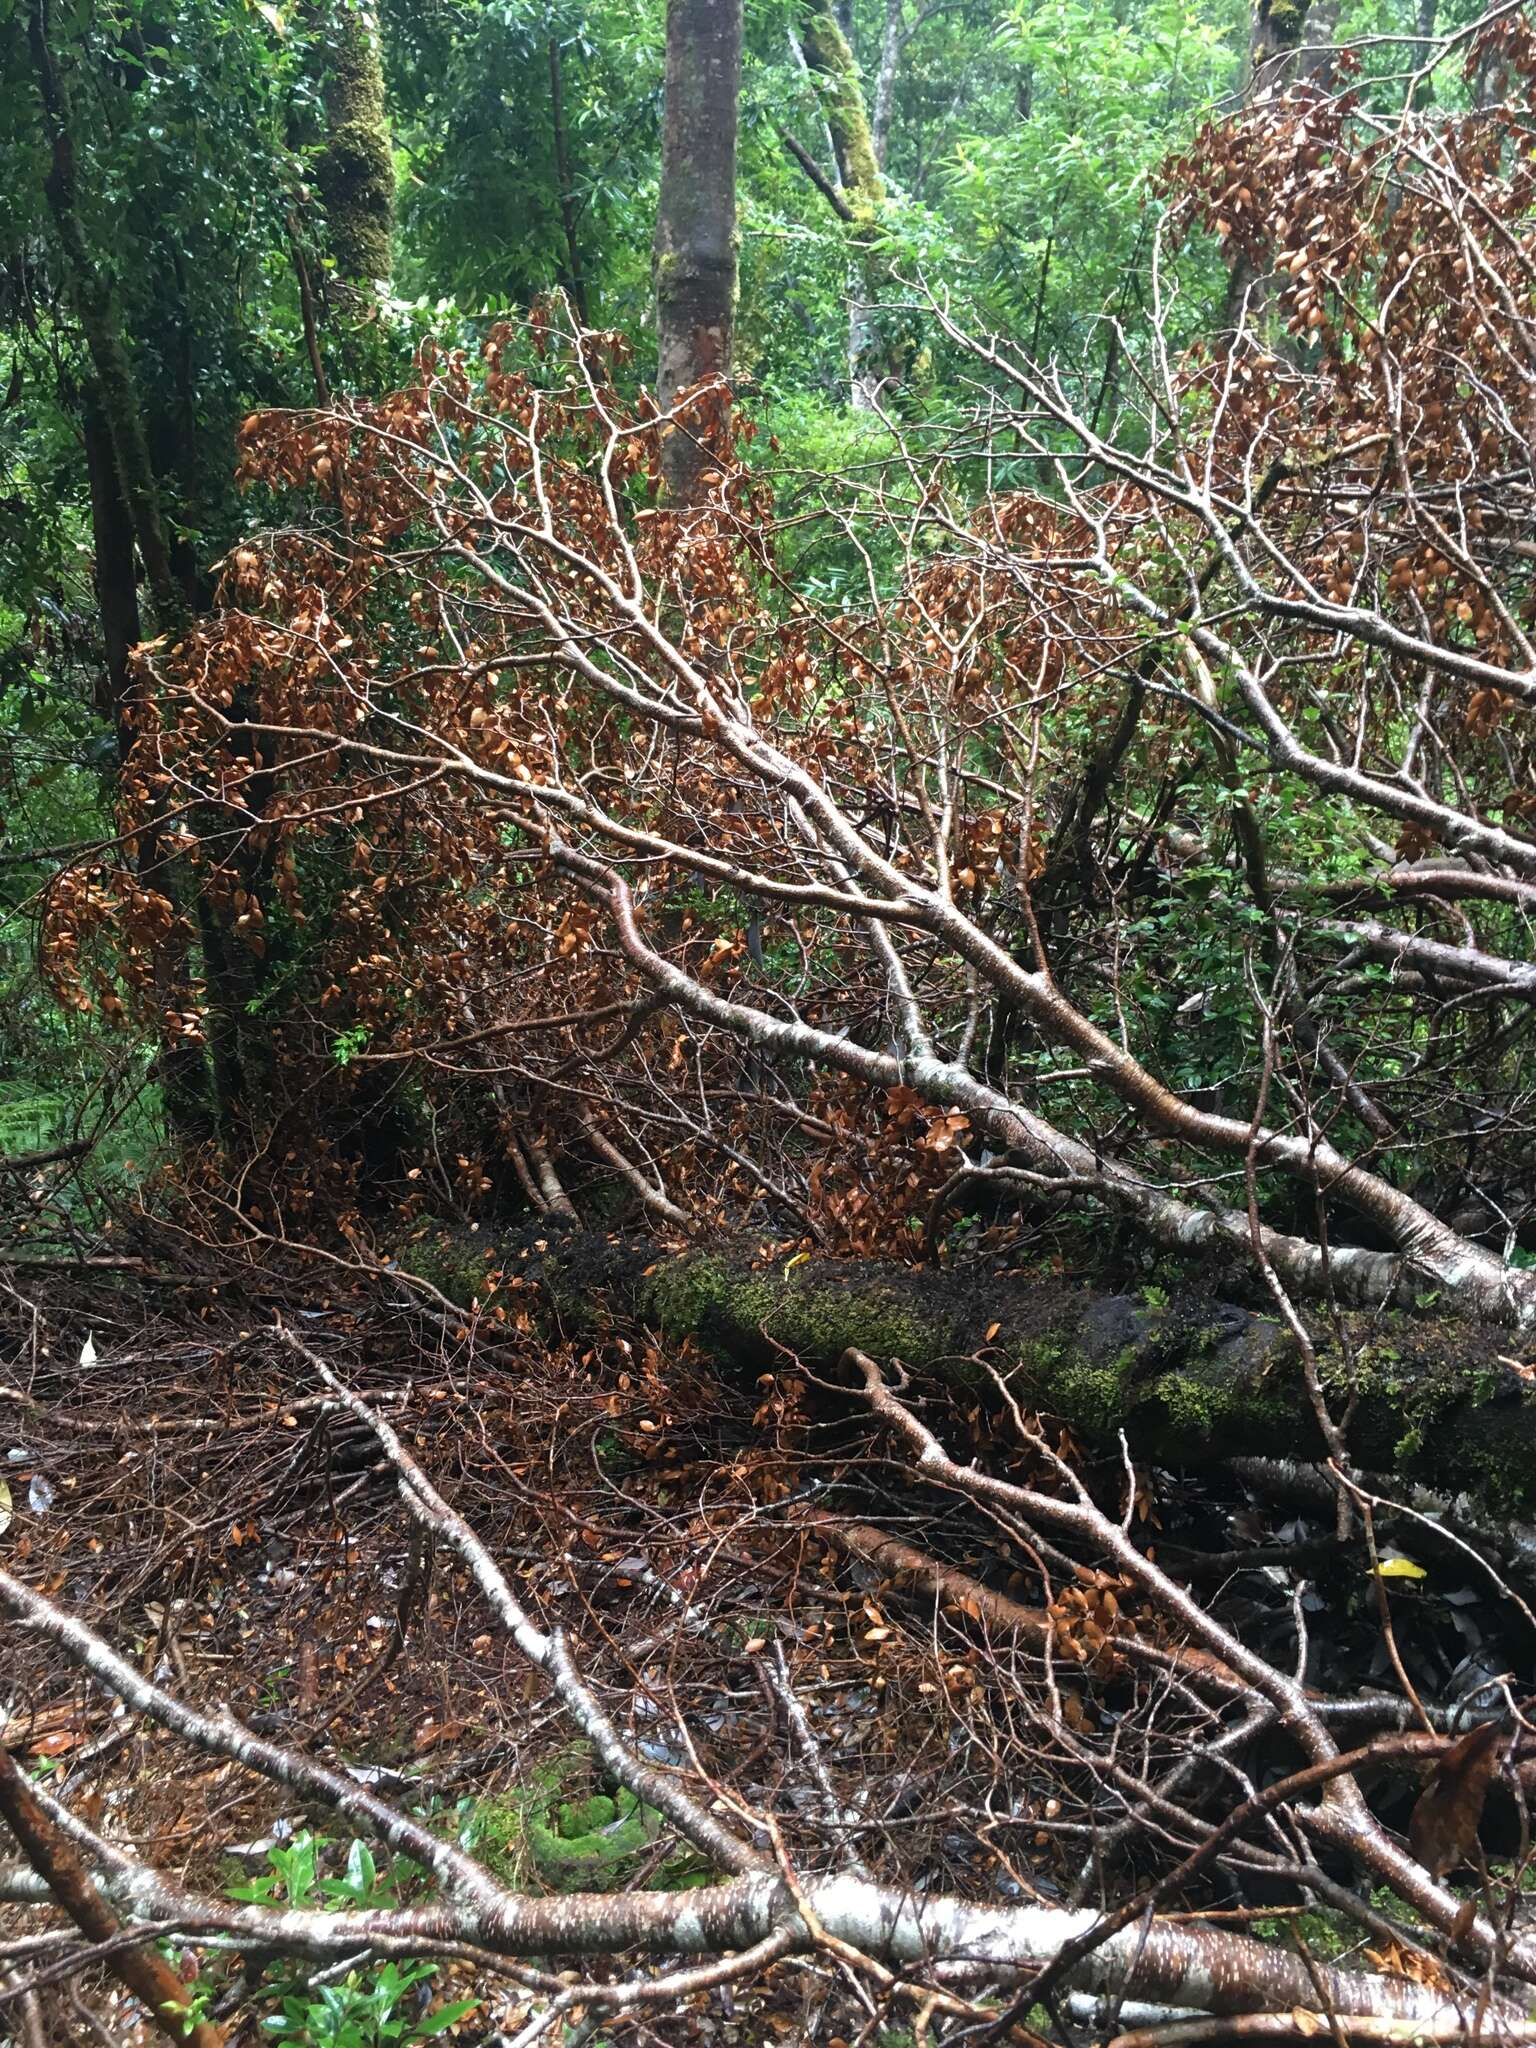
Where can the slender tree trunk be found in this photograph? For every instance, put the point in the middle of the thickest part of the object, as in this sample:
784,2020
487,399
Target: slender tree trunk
356,170
695,257
100,321
893,37
125,514
115,574
828,54
575,282
183,1070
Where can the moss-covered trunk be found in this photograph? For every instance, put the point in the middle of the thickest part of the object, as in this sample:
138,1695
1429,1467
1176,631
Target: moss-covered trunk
355,169
830,57
1437,1402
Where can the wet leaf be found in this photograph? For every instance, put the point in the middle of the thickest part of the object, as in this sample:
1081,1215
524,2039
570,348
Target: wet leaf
1400,1568
1446,1819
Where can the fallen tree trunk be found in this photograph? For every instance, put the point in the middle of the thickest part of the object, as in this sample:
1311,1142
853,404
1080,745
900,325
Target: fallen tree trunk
953,1940
1438,1402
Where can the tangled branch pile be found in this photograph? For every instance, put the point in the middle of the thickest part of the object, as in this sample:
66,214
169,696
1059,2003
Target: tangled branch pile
1152,837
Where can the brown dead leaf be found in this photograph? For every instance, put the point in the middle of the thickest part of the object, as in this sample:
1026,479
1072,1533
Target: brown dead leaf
59,1743
1445,1820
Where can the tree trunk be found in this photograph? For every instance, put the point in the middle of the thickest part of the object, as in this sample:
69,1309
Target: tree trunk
828,54
893,38
695,257
100,321
1279,29
575,282
114,574
1437,1403
182,1068
356,170
126,514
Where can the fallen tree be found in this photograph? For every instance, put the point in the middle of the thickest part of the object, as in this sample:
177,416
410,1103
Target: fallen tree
1433,1401
1148,839
909,1943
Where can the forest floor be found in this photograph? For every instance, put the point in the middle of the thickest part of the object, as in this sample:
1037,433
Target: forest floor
175,1476
182,1490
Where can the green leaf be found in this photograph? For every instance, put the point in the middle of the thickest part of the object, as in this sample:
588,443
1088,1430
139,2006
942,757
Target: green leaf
445,2016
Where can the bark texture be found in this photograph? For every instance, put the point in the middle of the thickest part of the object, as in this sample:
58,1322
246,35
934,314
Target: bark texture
829,55
356,171
116,395
1438,1404
51,1855
695,255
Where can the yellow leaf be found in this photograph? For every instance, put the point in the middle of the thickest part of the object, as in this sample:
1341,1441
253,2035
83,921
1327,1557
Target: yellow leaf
1400,1568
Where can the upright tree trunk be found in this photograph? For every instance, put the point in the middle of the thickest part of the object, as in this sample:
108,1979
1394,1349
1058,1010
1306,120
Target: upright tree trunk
575,282
182,1067
115,574
126,513
356,170
828,53
695,257
100,321
893,40
1276,35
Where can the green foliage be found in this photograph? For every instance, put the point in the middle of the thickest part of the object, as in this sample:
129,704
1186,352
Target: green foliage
481,204
374,2008
1055,202
382,2006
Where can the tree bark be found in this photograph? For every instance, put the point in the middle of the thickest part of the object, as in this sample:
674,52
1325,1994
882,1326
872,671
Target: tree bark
101,323
114,574
1438,1403
828,54
695,254
143,1970
183,1070
575,281
356,171
893,37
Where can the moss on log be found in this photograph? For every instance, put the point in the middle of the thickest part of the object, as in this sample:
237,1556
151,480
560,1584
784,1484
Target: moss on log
1436,1400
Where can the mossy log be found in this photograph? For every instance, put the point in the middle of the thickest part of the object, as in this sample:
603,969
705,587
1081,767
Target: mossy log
1436,1401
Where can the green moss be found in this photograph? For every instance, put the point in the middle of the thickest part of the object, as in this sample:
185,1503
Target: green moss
451,1259
1187,1380
810,1313
1090,1397
355,169
556,1833
827,51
